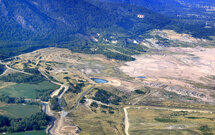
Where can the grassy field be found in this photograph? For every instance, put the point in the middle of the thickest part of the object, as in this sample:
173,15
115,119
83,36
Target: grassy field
19,111
162,122
26,90
41,132
96,122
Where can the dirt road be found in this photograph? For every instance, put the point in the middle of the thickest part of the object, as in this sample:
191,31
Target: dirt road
126,122
60,121
82,95
56,122
15,70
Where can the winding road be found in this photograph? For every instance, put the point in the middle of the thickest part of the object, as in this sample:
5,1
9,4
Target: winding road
15,70
57,122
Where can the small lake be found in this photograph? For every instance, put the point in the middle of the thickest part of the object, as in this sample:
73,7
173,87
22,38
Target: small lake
141,77
98,80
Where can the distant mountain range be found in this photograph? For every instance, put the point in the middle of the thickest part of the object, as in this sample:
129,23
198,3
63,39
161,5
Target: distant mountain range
26,25
172,7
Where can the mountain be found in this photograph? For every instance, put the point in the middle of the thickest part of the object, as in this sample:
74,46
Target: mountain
42,17
84,26
26,25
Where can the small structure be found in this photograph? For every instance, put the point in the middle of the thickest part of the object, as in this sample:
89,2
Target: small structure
141,16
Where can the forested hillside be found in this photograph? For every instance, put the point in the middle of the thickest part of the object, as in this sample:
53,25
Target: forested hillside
27,25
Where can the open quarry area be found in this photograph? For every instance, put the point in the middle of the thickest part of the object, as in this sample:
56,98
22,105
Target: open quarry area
185,71
167,90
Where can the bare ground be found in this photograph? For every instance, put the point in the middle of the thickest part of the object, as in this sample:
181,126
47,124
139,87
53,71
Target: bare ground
177,68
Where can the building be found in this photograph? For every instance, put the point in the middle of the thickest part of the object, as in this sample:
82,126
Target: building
141,16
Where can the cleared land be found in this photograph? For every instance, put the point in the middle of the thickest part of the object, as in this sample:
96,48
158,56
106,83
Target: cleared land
185,71
178,63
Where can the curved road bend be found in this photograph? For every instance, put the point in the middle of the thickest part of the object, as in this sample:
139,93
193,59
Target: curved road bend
56,125
7,67
47,110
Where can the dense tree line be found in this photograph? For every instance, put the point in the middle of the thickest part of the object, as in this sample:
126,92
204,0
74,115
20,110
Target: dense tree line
44,94
2,69
54,104
22,78
32,70
106,97
76,88
11,100
34,122
140,92
118,56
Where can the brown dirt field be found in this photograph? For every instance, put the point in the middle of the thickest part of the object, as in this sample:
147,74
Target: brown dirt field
180,64
184,71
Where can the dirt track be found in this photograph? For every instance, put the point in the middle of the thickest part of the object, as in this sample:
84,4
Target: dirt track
126,122
15,70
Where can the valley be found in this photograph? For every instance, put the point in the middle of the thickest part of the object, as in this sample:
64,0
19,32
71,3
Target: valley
92,94
107,67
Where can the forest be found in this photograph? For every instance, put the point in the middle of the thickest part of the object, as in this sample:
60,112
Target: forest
2,68
22,78
36,121
11,100
54,104
106,97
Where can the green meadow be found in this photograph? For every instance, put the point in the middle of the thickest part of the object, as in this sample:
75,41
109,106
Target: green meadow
27,90
19,110
40,132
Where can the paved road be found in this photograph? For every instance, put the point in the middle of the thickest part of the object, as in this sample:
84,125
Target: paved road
46,108
82,95
59,122
55,128
55,124
51,129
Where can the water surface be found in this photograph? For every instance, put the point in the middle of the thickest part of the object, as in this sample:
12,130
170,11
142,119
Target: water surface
98,80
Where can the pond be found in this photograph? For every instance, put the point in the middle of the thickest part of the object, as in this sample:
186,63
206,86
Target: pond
141,77
98,80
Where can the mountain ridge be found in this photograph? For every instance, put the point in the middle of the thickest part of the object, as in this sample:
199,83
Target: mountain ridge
75,24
